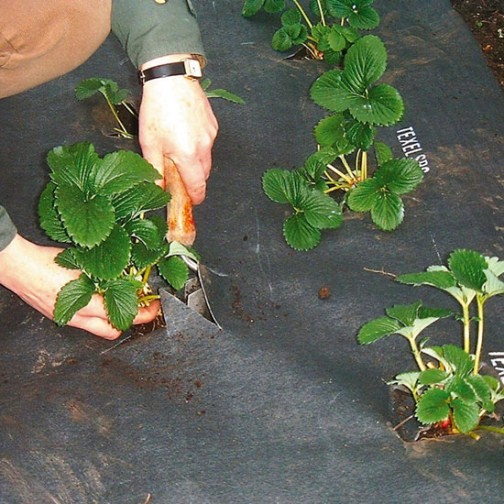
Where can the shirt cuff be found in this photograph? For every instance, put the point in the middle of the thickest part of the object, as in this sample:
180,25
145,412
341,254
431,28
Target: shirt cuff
149,30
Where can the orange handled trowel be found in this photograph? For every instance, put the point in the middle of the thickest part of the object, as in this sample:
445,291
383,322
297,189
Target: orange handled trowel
181,229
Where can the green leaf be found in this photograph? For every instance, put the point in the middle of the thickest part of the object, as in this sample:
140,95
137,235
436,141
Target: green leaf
107,87
288,36
72,164
275,183
121,170
108,259
72,297
274,6
121,302
330,131
175,271
321,211
291,17
459,387
147,231
432,376
382,106
66,259
376,329
365,63
360,135
365,18
50,220
460,361
364,196
406,314
465,415
336,39
482,390
388,211
400,176
325,91
433,406
383,153
140,198
88,221
468,267
143,257
251,7
440,279
226,95
299,234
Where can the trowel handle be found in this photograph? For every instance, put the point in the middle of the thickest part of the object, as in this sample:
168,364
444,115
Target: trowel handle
181,226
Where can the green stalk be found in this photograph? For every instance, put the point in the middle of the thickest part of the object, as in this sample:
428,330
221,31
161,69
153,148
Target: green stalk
480,301
490,428
416,353
467,328
303,13
322,19
116,117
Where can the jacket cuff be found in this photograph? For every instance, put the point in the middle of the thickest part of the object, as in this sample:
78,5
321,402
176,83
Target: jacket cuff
149,30
7,229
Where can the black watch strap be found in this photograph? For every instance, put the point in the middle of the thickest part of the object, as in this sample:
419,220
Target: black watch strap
190,68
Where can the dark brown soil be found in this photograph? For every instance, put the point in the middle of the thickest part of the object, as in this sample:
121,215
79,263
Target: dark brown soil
485,19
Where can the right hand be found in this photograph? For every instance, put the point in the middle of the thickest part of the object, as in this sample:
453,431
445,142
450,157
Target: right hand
29,271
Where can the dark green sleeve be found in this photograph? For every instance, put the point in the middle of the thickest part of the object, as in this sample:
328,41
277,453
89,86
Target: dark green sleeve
7,229
149,30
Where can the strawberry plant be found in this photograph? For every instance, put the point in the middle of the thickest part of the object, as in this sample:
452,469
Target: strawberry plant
448,387
114,96
341,165
98,207
118,98
326,29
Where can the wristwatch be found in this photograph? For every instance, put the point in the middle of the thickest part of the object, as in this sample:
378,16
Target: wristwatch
189,68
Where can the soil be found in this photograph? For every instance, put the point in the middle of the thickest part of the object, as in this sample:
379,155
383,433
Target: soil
485,19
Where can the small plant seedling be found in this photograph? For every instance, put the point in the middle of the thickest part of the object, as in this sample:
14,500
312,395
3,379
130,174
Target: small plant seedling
116,96
97,207
448,387
358,106
325,30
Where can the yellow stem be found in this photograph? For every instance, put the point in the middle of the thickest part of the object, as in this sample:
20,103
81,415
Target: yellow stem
322,18
344,162
303,13
480,301
467,328
364,161
340,174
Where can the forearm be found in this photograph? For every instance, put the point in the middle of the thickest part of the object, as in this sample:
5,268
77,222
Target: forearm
148,30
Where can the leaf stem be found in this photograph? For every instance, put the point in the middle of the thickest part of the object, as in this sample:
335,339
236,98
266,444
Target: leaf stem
345,177
344,162
146,300
480,301
303,13
116,116
490,428
364,166
416,353
322,18
467,328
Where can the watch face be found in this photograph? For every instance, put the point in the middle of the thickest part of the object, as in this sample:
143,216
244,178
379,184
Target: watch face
193,68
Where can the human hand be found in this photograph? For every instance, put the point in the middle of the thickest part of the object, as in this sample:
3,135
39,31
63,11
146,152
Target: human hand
176,121
30,272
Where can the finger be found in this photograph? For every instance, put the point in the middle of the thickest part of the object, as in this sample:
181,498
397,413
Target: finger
95,325
148,313
155,158
194,177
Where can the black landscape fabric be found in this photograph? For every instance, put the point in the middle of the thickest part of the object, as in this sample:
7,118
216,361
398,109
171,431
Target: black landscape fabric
282,405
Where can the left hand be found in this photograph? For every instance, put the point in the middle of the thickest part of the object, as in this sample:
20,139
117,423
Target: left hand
177,121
